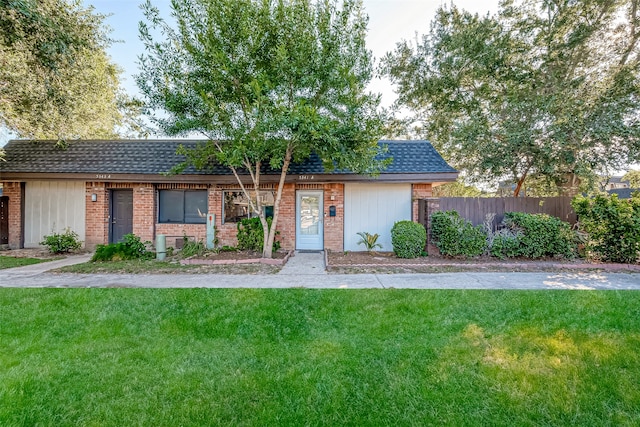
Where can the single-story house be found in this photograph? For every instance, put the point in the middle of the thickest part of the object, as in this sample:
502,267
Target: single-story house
103,190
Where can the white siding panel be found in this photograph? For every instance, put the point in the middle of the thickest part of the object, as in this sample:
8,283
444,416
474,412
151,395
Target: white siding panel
374,208
52,206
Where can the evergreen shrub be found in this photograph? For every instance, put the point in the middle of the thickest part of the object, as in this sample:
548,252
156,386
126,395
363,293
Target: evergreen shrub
408,239
455,236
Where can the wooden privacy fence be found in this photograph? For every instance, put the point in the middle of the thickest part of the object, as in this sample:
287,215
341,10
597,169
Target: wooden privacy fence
475,209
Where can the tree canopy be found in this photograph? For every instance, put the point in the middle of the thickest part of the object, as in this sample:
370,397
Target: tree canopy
633,176
545,89
266,83
56,80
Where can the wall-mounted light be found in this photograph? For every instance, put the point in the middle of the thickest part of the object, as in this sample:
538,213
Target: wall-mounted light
94,197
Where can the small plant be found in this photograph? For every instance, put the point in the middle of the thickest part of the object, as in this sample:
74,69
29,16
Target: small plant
58,243
369,241
251,235
192,248
455,236
131,247
408,239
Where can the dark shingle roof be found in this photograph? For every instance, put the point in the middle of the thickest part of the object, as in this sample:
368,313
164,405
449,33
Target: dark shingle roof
623,193
159,156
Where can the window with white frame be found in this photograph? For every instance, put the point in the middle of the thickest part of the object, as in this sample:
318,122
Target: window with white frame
182,206
236,206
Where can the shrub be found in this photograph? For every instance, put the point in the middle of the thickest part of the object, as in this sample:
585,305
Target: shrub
251,236
369,240
192,247
505,243
408,239
62,243
130,248
541,235
455,236
612,226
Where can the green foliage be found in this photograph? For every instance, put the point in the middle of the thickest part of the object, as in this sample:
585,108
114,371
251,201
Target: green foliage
251,235
408,239
62,242
505,243
131,247
541,235
192,247
56,79
612,226
456,189
455,236
369,241
267,83
633,176
544,89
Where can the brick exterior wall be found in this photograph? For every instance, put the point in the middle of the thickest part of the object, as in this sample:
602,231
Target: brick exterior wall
96,215
418,191
145,214
334,226
13,190
144,211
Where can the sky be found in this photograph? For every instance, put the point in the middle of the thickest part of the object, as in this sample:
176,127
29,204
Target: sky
389,22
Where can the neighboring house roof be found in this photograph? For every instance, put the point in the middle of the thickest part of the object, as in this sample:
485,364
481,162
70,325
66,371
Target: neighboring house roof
623,193
154,157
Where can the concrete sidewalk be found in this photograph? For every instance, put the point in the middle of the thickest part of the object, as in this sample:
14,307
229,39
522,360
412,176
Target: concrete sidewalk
306,270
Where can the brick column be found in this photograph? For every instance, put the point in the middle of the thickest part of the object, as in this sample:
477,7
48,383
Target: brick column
96,215
14,191
144,212
334,226
418,191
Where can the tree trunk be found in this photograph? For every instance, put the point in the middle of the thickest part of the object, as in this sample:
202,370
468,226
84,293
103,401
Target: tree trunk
516,192
267,249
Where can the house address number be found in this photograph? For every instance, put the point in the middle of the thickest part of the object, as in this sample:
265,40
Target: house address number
306,177
102,176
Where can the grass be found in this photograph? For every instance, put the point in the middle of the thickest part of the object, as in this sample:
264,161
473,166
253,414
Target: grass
140,266
9,261
114,357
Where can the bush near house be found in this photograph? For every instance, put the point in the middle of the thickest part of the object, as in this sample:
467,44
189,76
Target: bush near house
58,243
538,235
612,226
130,248
455,236
408,239
251,235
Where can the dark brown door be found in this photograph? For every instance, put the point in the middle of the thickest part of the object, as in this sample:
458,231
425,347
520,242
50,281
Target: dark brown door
121,219
4,220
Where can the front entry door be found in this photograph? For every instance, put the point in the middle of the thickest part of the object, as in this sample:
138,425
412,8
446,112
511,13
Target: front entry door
309,220
121,215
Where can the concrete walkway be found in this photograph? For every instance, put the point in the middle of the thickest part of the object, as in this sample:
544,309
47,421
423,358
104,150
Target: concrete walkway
304,263
306,270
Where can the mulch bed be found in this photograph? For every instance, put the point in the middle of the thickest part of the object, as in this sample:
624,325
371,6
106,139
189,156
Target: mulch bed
237,257
387,262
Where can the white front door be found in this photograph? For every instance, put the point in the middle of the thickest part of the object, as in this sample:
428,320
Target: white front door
309,219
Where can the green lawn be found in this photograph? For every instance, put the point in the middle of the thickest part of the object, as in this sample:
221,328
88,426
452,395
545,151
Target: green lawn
149,357
9,261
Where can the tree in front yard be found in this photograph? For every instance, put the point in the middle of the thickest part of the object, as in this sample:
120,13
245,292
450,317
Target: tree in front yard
541,89
56,80
267,83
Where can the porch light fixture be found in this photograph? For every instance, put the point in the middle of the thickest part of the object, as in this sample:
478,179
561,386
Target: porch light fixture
94,197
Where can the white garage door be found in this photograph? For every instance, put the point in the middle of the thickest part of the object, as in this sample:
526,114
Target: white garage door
374,208
52,206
